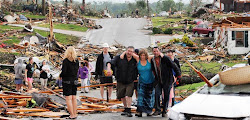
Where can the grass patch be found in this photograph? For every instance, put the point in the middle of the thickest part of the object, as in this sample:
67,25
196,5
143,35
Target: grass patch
12,40
193,87
8,27
159,21
31,15
93,17
66,27
35,16
204,67
62,38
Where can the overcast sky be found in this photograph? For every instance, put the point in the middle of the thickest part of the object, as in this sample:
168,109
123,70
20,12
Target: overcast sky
122,1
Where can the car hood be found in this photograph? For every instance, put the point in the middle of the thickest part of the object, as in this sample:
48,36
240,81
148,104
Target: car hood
228,106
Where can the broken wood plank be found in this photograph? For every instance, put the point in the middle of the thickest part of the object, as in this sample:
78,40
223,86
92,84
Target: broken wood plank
15,96
40,114
7,118
93,105
26,110
52,105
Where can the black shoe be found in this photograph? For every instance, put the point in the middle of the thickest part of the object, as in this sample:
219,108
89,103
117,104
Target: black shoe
139,114
129,114
86,92
163,114
156,113
149,114
82,92
124,113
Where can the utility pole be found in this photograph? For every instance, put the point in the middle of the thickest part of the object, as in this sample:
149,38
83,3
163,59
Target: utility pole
51,29
148,8
43,7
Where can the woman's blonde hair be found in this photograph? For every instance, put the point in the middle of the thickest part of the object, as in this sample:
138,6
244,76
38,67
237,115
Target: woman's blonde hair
70,54
143,51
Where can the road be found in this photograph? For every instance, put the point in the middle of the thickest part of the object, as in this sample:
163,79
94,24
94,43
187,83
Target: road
124,31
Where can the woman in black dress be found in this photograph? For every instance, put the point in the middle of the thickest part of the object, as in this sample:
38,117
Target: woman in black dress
70,68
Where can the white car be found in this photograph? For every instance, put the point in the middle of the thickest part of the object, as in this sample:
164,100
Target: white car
220,102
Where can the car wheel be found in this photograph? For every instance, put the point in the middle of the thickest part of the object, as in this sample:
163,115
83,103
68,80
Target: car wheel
196,34
210,34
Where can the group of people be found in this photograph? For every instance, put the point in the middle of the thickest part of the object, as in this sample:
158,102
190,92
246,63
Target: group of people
153,76
25,74
157,75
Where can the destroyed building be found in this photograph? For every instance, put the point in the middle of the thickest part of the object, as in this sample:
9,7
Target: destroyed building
232,33
236,5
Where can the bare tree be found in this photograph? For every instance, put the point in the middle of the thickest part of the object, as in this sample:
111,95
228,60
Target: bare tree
43,7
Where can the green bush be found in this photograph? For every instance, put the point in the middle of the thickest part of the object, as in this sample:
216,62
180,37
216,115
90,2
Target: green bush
157,30
175,40
168,31
190,29
187,41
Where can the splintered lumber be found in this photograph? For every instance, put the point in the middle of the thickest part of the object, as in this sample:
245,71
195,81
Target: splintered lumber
7,118
40,114
55,93
52,105
93,105
21,103
26,110
200,74
49,114
15,96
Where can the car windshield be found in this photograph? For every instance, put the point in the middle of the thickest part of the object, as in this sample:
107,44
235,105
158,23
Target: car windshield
220,88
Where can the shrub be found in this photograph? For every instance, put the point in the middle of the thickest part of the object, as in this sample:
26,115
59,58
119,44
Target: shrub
157,30
187,41
168,31
190,29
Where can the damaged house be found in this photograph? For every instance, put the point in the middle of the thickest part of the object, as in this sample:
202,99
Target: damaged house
232,34
236,5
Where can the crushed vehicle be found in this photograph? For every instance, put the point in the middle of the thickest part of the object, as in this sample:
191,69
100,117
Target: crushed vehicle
203,29
220,102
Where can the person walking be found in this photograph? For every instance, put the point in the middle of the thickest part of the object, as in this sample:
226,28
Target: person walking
83,75
44,69
90,69
126,73
146,92
29,72
170,54
19,74
162,68
69,77
101,65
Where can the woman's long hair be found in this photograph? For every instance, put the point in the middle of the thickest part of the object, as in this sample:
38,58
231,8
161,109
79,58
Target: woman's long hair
143,51
70,54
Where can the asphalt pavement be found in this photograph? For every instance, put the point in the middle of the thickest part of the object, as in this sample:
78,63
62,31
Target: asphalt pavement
124,31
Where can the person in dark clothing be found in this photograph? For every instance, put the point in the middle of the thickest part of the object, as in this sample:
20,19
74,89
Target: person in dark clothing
162,68
44,69
170,54
101,65
136,83
126,73
69,78
29,71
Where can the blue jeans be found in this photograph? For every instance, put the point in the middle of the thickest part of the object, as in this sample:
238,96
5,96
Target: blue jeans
158,92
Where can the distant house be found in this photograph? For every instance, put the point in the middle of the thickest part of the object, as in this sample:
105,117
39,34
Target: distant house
236,5
163,14
233,34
